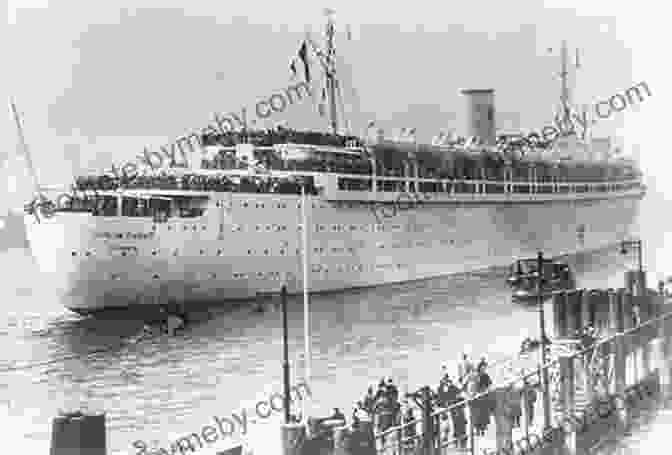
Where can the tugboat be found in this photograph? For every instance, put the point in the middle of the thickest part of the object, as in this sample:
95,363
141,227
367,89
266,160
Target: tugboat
523,279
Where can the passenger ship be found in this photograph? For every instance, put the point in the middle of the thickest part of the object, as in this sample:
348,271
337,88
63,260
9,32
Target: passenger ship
231,226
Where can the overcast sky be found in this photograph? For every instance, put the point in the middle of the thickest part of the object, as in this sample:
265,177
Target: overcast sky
95,83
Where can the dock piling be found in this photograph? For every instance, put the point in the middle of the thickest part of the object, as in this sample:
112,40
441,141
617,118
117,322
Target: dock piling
78,434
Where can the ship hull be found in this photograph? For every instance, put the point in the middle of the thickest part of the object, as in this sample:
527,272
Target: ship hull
251,243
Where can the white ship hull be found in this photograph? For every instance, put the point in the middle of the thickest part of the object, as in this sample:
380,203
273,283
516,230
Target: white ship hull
249,243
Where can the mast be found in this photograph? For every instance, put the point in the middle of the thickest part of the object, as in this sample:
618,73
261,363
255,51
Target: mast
565,95
330,72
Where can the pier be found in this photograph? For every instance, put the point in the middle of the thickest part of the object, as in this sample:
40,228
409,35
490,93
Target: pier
608,362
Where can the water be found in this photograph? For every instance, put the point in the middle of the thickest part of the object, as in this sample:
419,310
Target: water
164,388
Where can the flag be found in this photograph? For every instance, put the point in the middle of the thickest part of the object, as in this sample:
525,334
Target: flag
292,67
303,55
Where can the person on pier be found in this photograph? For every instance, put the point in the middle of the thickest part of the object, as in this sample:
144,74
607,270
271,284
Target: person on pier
464,369
410,430
531,396
452,396
392,390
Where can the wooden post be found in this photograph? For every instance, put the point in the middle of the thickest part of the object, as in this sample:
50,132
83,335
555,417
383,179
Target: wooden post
573,312
503,424
588,380
293,438
427,422
560,315
619,348
567,401
664,357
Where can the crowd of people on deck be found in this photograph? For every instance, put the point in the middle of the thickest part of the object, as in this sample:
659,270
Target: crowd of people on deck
165,180
280,135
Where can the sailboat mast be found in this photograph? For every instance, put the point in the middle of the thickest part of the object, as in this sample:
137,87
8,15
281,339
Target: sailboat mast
565,95
331,75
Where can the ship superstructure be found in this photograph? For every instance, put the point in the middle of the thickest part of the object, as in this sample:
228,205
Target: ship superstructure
378,211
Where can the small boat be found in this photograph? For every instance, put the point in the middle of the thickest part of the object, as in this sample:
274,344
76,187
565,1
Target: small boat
523,279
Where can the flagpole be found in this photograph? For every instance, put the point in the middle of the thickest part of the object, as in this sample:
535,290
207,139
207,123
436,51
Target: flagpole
24,150
306,306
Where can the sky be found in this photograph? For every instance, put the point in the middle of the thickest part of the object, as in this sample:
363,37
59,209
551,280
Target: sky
95,83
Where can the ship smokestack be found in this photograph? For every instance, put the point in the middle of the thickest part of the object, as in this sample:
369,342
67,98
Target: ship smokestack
481,114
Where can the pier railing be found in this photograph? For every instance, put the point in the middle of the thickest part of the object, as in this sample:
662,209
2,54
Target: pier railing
596,385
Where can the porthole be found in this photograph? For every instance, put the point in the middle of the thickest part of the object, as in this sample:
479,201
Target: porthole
169,228
155,276
194,228
202,251
175,253
249,251
120,236
219,252
154,253
204,228
74,253
245,204
88,253
213,275
282,251
266,252
123,253
185,228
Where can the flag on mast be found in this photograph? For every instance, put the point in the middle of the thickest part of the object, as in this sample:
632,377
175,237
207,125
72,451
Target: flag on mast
303,55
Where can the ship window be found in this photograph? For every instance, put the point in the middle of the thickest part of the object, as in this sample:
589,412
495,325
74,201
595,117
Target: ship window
202,252
268,227
219,252
266,252
175,253
245,204
154,253
213,275
282,251
123,253
258,228
249,251
155,276
74,253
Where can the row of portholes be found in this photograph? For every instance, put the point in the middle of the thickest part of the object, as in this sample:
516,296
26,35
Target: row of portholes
316,250
279,228
280,205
